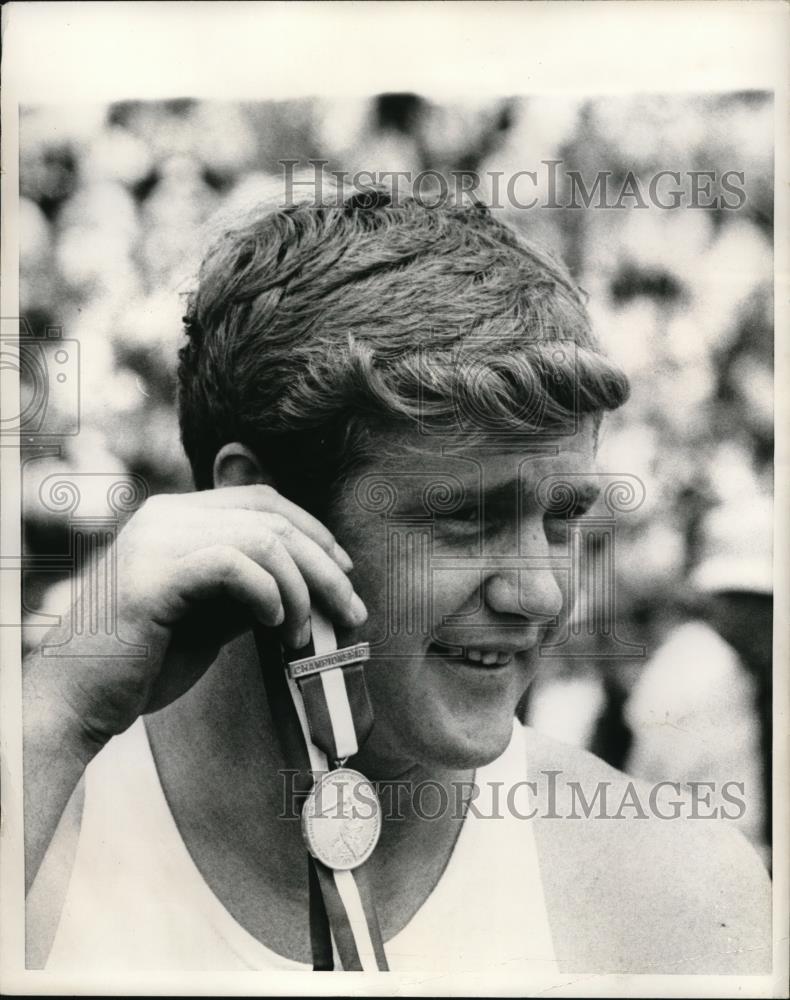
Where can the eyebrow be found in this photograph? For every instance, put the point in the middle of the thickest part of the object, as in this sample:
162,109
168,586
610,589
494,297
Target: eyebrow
502,495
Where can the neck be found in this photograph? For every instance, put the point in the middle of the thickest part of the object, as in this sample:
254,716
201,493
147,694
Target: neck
418,803
226,780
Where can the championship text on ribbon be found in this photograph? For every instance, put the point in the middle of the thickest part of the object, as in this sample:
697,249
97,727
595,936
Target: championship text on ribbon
338,658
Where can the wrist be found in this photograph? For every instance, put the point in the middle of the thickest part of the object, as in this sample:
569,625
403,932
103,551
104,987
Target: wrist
53,727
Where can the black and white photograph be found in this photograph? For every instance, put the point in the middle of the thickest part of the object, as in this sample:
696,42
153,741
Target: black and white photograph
395,470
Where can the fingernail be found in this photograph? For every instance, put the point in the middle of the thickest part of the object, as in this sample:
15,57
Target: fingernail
343,558
303,635
358,611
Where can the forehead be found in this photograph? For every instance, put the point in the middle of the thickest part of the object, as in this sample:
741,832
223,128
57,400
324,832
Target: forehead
496,461
411,475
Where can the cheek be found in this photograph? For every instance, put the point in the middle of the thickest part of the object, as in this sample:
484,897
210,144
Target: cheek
456,592
407,598
366,544
408,603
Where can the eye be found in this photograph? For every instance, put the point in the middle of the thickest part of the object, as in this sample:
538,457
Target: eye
556,525
464,520
467,515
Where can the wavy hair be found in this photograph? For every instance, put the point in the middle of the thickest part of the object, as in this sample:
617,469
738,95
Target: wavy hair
312,326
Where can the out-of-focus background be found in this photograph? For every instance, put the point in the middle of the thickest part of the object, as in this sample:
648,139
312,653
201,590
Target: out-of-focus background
115,201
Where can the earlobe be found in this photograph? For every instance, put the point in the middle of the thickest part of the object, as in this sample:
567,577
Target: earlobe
236,465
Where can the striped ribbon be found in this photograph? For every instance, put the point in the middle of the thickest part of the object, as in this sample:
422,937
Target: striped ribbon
329,709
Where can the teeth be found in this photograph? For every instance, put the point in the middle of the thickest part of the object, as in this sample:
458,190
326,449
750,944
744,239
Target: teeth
488,657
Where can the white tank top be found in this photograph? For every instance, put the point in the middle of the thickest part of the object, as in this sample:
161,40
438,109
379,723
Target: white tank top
136,901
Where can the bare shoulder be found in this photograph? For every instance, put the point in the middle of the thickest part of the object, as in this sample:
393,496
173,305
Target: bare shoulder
638,879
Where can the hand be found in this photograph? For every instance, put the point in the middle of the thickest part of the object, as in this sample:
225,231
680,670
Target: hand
193,571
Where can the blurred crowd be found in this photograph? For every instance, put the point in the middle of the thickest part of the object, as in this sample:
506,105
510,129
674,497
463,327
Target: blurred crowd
115,201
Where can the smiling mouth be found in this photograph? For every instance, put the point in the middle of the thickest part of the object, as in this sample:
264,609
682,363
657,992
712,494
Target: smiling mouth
473,656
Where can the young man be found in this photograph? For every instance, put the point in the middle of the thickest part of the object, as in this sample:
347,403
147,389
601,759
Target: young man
375,400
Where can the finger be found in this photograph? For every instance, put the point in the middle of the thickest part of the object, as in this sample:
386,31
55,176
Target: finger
259,537
270,552
301,568
327,583
264,498
222,570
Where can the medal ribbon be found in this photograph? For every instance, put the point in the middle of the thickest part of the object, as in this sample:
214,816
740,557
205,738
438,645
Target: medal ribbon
321,696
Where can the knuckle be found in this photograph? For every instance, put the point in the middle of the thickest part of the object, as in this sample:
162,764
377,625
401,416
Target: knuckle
280,524
323,538
299,608
269,590
295,595
269,545
343,589
225,561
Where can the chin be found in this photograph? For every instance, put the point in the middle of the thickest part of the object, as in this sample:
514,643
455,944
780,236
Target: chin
471,746
474,728
446,715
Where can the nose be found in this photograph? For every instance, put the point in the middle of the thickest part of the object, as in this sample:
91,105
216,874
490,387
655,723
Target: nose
531,591
532,594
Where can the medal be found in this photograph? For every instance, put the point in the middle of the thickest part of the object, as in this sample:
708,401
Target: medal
322,713
341,819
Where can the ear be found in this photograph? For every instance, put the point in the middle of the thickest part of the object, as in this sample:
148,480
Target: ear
235,465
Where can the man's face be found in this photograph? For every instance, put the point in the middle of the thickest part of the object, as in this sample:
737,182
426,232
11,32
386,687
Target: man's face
462,570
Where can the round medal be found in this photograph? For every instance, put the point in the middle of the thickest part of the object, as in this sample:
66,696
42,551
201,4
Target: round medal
341,819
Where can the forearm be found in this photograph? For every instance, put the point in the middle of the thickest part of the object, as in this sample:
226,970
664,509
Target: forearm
56,752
